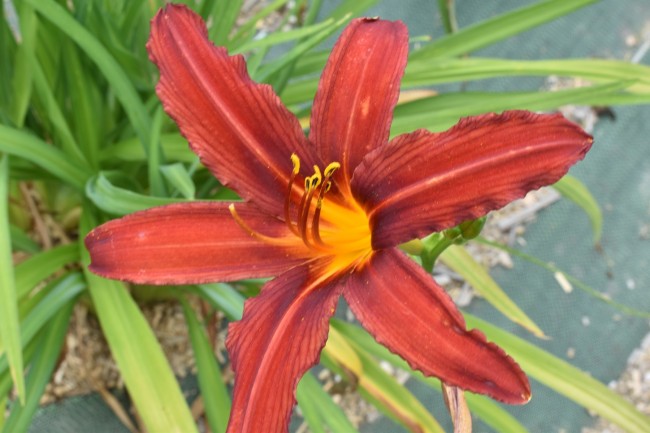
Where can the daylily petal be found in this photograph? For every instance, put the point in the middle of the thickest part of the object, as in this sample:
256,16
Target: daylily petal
424,182
358,90
241,130
406,311
279,338
191,243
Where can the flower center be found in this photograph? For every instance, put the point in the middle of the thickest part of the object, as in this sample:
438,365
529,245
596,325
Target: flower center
324,225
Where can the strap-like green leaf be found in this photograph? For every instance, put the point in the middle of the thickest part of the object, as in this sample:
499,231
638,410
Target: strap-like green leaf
120,201
376,385
319,410
566,379
146,373
215,396
571,188
460,261
498,28
43,363
120,82
483,407
49,158
9,323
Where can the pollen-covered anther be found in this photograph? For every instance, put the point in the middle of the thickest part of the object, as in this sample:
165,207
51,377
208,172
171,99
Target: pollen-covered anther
304,219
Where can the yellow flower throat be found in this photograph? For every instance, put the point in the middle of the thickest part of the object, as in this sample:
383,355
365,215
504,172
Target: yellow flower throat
325,226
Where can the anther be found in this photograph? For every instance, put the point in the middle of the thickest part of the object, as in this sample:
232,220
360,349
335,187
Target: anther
296,164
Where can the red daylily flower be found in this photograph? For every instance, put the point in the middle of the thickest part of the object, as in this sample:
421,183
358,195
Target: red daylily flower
325,214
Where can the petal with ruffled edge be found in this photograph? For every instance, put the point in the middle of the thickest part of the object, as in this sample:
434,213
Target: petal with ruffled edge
424,182
241,130
358,90
406,311
280,337
191,243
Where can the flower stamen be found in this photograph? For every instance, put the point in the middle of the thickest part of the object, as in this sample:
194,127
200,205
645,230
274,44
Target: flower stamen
287,202
267,239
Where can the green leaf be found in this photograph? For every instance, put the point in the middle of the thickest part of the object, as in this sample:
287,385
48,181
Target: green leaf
179,178
566,379
576,282
376,385
225,13
174,147
213,390
224,297
246,31
438,113
9,324
501,27
571,188
483,407
120,83
49,158
272,67
40,266
24,57
283,37
460,261
83,97
119,201
53,113
318,408
21,241
43,363
146,373
450,70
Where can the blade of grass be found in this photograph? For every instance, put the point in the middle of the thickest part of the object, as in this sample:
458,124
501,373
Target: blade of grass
224,297
438,71
376,385
318,408
119,201
58,293
460,261
571,188
146,373
38,267
483,407
85,105
24,57
224,14
576,282
495,29
272,67
283,37
21,241
213,390
174,147
246,31
178,177
119,81
9,324
55,116
49,158
566,379
41,368
439,112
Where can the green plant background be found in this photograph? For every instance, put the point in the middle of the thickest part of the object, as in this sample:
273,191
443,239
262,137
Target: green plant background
617,171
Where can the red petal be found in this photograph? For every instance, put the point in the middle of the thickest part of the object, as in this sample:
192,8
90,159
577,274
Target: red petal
279,338
424,182
241,130
190,243
405,310
358,90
